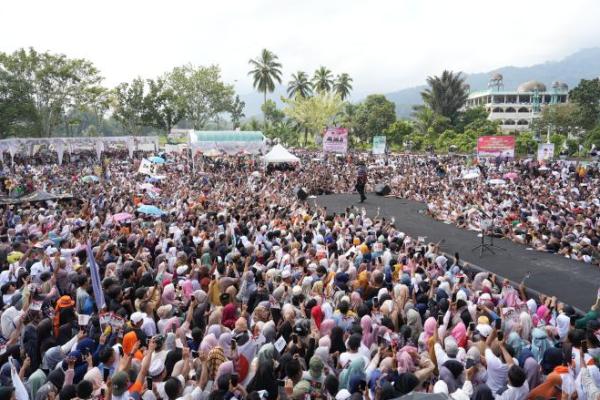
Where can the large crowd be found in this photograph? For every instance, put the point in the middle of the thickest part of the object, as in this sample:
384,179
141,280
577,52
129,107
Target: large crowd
219,283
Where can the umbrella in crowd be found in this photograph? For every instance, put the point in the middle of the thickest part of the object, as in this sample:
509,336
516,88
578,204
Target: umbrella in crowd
511,175
157,160
120,217
150,210
90,179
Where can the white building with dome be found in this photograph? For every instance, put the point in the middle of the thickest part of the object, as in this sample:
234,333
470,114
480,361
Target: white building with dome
516,109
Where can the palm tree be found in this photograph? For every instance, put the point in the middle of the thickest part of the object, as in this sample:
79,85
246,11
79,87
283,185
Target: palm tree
266,71
446,94
300,85
322,80
343,85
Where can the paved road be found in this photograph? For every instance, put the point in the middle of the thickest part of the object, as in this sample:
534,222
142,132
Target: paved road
573,282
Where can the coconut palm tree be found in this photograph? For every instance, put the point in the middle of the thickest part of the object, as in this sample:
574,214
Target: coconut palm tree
446,94
266,71
323,80
343,85
300,85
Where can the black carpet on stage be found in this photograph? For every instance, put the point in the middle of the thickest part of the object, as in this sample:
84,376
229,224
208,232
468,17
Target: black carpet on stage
572,282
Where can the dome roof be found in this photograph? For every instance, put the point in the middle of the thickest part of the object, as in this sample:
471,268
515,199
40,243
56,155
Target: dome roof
530,86
496,76
560,85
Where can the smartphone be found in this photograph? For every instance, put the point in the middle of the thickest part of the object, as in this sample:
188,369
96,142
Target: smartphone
106,373
234,380
294,338
192,298
195,353
584,346
471,326
440,320
233,344
375,301
149,382
500,335
498,323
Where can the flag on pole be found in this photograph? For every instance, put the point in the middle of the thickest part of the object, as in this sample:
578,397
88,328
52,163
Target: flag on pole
95,274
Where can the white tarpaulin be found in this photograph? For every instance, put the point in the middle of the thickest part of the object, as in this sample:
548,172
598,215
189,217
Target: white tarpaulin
147,167
279,154
229,142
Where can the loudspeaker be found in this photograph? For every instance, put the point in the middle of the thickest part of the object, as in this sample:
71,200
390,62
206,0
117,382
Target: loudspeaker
301,194
382,190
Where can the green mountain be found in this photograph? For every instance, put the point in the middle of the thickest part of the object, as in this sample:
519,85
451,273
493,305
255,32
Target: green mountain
584,64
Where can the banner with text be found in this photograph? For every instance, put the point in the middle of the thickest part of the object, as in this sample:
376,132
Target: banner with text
335,140
545,151
494,146
379,144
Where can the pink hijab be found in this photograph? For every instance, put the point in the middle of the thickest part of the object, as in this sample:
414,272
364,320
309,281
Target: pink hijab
542,315
326,326
208,343
459,332
429,327
367,330
405,359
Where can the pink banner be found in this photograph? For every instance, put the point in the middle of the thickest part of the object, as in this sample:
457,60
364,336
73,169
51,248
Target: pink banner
335,140
494,146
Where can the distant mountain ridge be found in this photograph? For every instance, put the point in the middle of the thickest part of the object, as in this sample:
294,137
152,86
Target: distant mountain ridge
584,64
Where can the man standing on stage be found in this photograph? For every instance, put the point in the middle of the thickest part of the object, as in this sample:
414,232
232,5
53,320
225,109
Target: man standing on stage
361,180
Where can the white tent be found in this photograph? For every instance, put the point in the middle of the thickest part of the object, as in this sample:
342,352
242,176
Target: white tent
279,154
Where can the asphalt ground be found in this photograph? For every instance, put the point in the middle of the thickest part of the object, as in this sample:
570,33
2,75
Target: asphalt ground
572,282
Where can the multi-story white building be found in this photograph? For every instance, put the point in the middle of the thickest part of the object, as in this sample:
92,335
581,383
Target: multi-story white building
517,109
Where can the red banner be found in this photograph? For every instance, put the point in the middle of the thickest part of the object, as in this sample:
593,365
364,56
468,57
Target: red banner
494,146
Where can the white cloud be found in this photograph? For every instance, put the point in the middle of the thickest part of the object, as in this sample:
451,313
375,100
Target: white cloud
383,45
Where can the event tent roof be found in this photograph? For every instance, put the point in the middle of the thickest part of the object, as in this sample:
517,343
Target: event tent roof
37,196
279,154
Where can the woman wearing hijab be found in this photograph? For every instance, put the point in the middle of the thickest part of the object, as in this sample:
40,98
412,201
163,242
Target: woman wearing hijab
413,320
317,316
337,341
264,377
357,366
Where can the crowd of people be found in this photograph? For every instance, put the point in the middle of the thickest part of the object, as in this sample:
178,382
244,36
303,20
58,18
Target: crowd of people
232,287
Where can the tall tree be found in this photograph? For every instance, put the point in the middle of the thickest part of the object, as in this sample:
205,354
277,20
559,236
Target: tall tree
587,96
129,108
314,113
55,82
266,70
428,122
374,116
17,112
272,114
204,94
322,79
237,111
343,85
300,85
446,94
164,107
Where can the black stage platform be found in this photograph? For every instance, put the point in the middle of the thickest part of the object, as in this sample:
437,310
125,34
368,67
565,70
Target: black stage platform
570,281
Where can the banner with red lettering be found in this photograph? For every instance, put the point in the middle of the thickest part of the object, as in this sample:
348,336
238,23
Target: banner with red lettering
494,146
335,140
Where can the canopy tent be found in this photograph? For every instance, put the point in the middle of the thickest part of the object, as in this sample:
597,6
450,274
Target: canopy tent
228,142
279,154
72,144
37,196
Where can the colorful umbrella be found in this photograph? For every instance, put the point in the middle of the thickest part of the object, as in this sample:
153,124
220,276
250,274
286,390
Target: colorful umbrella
120,217
157,160
511,175
150,210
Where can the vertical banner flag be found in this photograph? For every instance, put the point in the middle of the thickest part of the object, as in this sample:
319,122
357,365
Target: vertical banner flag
379,144
335,140
545,151
60,151
496,146
95,274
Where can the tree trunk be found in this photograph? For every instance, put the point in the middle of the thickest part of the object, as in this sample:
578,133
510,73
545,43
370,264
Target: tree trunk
305,136
264,114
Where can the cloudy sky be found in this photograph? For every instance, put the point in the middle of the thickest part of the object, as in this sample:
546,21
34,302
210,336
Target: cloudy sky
383,45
